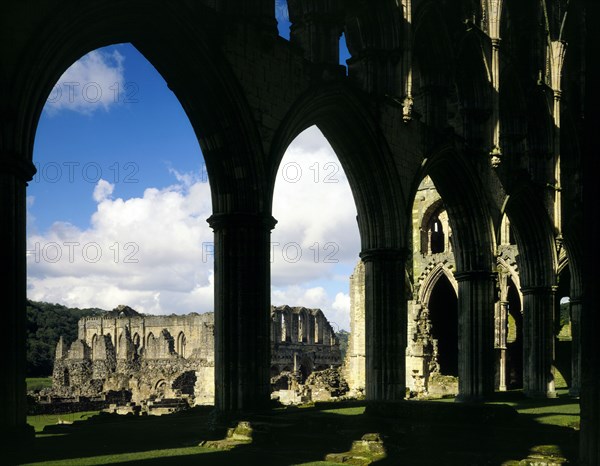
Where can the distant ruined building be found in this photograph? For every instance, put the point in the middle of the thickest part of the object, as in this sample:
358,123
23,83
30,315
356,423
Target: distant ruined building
172,357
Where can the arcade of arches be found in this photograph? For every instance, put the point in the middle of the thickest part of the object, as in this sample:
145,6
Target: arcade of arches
485,97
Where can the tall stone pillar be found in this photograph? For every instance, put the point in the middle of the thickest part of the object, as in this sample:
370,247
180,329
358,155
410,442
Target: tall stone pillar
538,342
575,306
501,324
242,304
476,296
385,324
14,175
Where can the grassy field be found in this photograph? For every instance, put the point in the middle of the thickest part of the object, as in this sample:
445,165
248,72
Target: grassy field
415,433
40,421
37,383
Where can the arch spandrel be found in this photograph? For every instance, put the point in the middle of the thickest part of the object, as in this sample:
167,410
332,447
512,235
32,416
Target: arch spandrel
180,42
364,155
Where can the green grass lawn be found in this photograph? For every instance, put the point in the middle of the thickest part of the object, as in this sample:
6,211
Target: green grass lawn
562,411
304,436
40,421
37,383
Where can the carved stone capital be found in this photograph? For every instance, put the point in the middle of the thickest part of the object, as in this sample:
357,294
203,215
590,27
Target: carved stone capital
16,165
241,220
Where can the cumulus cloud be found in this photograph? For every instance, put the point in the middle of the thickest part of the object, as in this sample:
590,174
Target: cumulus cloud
316,235
146,252
95,81
154,252
317,228
103,190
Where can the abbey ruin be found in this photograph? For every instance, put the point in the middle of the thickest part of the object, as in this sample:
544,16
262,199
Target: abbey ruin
432,327
494,100
172,357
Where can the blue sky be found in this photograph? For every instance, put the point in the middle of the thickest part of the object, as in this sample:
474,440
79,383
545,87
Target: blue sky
117,213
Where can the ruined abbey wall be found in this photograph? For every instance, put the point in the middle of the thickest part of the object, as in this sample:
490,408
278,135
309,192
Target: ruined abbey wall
431,259
173,356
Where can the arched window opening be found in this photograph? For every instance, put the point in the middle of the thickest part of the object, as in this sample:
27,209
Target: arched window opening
136,342
94,343
437,237
283,326
514,339
562,330
307,253
443,312
113,146
181,343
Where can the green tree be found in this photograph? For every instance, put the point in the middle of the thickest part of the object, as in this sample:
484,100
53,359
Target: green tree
45,324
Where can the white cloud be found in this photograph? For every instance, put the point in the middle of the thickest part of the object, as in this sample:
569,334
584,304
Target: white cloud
154,254
146,252
103,190
95,81
316,215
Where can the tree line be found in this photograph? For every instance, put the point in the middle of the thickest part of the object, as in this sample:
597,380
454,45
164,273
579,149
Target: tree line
46,322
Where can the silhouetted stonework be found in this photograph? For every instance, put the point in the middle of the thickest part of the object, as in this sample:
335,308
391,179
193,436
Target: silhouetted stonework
486,97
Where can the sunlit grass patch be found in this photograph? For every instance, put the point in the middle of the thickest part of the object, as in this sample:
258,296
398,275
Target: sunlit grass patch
37,383
39,421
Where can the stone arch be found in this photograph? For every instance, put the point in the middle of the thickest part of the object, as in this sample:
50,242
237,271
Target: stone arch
136,341
431,279
364,155
430,221
466,203
160,386
150,338
181,344
302,325
534,235
284,324
442,311
93,345
122,342
305,368
514,337
210,95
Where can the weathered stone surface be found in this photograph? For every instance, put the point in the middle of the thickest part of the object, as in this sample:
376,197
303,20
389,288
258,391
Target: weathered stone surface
367,450
172,357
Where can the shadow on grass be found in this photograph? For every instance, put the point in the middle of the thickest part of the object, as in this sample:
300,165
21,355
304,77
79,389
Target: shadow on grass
414,433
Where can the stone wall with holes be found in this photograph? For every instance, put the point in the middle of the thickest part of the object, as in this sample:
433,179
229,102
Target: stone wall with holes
173,356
